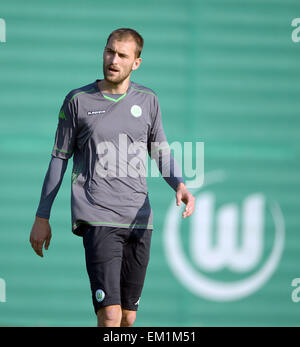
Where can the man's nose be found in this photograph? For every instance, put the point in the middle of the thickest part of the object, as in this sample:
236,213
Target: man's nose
115,59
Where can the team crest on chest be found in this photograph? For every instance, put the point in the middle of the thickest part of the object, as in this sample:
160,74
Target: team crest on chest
136,111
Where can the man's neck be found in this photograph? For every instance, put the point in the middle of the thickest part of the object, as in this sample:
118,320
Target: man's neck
113,88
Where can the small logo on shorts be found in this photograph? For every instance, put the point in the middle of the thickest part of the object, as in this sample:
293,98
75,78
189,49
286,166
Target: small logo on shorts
100,295
136,111
138,301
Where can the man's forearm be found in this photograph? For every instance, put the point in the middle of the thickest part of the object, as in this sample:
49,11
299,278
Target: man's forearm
170,170
51,185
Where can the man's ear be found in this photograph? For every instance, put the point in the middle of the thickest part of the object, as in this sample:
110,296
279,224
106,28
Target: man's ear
136,63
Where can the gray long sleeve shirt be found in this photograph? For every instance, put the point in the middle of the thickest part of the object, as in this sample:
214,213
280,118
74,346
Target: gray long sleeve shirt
108,138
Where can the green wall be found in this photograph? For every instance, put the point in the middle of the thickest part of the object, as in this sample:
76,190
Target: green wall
227,73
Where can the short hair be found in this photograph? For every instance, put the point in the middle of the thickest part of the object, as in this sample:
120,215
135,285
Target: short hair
123,33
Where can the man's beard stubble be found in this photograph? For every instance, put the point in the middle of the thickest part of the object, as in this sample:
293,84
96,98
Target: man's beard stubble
113,80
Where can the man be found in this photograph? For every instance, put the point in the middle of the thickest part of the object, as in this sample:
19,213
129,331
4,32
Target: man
111,212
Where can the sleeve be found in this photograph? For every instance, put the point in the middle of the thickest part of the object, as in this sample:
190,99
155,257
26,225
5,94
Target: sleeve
170,171
159,149
65,136
157,139
52,182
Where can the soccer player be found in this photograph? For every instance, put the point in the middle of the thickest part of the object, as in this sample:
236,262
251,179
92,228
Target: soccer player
109,119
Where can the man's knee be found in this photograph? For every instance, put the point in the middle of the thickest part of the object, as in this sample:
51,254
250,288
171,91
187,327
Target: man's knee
109,316
128,318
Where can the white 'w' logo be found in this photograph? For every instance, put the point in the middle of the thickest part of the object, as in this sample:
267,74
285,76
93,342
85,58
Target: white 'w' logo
231,237
226,252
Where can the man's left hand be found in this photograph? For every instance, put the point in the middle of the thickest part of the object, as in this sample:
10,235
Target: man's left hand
182,194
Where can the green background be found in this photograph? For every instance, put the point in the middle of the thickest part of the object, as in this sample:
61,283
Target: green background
226,73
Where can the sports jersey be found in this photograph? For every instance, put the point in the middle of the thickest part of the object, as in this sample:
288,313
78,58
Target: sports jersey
90,124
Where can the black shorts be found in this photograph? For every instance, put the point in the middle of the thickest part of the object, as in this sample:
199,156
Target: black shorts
116,262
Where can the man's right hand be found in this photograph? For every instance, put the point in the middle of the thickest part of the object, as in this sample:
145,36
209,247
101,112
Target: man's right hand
40,234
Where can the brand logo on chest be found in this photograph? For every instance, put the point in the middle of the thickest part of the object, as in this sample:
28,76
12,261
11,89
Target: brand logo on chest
92,113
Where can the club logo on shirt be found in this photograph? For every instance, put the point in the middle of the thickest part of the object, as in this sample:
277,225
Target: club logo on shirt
92,113
136,111
100,295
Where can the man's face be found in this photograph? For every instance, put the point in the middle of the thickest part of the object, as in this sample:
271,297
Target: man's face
119,59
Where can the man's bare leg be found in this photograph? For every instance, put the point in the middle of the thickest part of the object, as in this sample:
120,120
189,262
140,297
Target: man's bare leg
128,318
109,316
